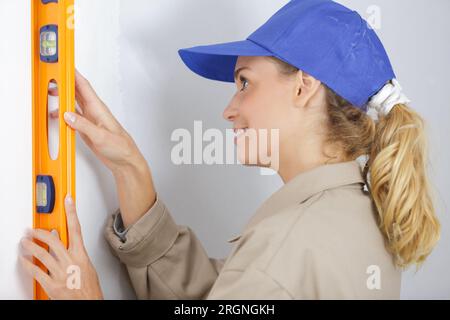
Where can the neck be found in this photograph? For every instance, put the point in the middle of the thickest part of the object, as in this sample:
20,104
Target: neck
291,169
298,162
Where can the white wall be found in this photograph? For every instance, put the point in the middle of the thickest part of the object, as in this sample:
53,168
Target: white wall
15,144
128,49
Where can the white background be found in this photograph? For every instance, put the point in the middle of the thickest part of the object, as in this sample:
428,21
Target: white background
128,50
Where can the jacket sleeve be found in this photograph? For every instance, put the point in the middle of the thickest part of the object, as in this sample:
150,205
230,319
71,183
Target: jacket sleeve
164,260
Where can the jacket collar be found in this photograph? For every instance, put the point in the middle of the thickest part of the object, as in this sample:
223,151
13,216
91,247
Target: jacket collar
304,186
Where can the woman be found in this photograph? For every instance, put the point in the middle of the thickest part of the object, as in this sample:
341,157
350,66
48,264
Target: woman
332,231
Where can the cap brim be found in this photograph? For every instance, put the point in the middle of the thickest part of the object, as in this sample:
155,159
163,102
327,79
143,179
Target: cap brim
218,61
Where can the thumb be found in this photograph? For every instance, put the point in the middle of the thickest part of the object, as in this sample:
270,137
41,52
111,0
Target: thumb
73,224
82,125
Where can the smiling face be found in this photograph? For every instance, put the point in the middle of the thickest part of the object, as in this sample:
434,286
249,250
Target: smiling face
268,99
262,101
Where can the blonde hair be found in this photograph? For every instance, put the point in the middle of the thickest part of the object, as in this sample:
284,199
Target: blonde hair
395,171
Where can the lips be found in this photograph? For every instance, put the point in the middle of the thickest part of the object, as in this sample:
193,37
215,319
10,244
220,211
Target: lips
240,131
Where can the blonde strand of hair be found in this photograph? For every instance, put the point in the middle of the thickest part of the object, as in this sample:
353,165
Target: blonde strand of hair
399,186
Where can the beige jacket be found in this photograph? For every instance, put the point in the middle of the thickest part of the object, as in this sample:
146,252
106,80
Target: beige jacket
315,238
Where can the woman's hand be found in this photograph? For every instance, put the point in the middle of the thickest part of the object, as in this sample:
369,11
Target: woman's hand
100,130
71,274
116,149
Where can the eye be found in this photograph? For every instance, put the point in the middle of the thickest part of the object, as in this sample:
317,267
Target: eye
244,83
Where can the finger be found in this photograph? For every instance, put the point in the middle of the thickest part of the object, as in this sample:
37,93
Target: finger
83,125
87,98
54,114
73,225
98,114
87,141
36,273
92,106
42,255
53,101
50,250
53,92
84,89
53,88
78,108
53,242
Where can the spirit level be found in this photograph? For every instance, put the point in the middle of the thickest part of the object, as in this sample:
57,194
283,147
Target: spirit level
53,64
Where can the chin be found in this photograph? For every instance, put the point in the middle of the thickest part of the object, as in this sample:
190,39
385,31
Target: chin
251,161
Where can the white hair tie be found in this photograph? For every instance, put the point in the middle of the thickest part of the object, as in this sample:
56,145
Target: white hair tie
388,97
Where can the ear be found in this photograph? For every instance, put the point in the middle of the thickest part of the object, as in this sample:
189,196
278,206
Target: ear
306,88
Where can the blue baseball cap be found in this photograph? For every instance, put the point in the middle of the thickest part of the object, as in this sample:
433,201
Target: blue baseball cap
321,37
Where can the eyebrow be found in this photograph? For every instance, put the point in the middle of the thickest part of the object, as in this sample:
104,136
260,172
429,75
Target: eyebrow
236,73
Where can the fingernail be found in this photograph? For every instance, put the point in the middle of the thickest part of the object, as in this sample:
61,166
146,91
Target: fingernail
69,117
29,231
69,199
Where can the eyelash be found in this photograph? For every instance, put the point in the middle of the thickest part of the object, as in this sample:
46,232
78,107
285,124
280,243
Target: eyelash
243,80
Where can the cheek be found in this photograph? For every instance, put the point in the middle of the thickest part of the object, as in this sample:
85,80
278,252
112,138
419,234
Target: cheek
272,109
262,110
250,109
259,108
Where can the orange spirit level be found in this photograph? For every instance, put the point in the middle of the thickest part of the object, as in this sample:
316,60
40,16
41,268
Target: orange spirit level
53,67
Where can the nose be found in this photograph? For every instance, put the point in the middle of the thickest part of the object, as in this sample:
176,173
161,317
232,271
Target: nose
230,112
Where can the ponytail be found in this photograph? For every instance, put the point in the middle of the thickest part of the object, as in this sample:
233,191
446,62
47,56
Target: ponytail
399,186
